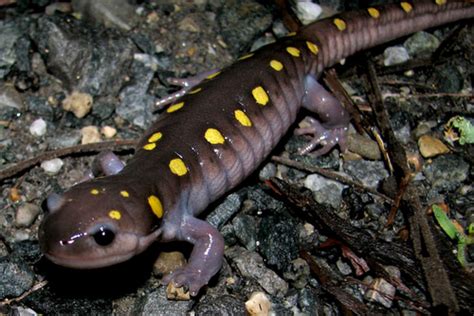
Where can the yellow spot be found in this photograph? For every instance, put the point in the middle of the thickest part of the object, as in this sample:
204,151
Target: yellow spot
175,107
114,214
407,7
291,34
242,118
156,205
94,191
155,137
441,2
149,146
312,47
124,193
340,24
195,91
246,56
261,97
373,12
275,64
213,75
293,51
213,136
178,167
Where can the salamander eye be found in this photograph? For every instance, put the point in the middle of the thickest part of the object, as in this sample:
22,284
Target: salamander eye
104,236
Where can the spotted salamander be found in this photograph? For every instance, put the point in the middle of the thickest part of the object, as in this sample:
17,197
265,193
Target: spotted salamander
213,137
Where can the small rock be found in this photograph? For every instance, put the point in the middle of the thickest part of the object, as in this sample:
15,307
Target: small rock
90,134
52,167
78,103
364,146
268,171
245,229
278,236
224,211
395,55
446,172
21,311
66,139
108,131
343,267
298,273
370,173
258,305
251,265
177,293
421,44
16,279
118,14
381,291
167,262
38,127
307,11
328,192
26,214
431,147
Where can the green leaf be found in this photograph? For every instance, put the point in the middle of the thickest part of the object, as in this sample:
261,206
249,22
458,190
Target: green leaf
444,221
466,129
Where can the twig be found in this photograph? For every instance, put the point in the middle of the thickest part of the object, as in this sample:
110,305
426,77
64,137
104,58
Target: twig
94,147
330,175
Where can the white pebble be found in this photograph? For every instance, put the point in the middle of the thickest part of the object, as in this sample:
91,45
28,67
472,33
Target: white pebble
26,214
307,11
38,127
52,167
90,134
108,131
395,55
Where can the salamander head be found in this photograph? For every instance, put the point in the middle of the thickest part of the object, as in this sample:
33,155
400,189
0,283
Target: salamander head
95,224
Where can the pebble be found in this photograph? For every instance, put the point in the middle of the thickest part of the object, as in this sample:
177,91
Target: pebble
446,172
52,167
119,14
108,131
251,265
370,173
430,146
156,303
38,127
325,191
167,262
421,44
381,292
224,211
90,134
307,11
258,304
16,279
395,55
26,214
78,103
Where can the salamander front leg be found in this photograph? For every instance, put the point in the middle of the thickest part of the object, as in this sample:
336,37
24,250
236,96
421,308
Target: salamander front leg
106,163
333,122
206,257
186,84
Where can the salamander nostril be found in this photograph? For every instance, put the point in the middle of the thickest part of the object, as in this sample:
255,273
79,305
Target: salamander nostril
104,236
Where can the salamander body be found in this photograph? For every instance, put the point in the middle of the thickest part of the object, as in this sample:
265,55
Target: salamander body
213,137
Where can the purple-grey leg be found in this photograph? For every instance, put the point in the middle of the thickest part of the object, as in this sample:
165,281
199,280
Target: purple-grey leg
205,259
185,84
107,163
333,122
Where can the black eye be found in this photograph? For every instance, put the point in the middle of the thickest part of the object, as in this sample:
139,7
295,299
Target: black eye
104,236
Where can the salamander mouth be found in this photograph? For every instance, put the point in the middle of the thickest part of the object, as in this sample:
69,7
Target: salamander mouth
87,262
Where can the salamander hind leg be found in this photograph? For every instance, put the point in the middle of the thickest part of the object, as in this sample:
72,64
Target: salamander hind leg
331,126
206,258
